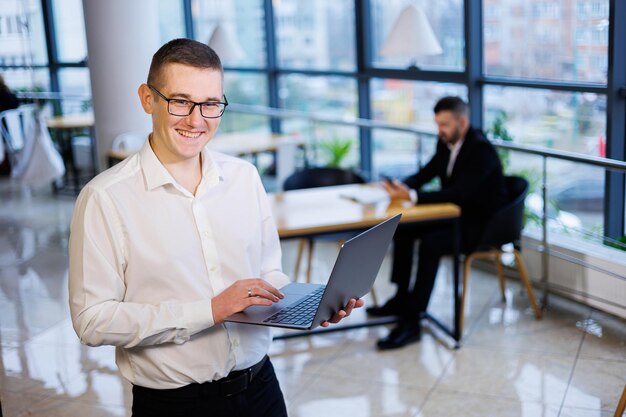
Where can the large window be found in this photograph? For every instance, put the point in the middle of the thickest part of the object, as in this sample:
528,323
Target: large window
71,41
552,40
444,16
541,68
237,28
245,88
22,44
407,103
315,35
322,95
556,119
565,43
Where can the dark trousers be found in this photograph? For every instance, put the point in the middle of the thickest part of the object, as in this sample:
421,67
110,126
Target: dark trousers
263,397
435,242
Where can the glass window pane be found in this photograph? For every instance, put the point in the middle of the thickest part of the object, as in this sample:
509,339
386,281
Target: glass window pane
70,30
567,121
566,41
563,120
171,20
244,88
240,40
27,80
22,36
446,20
575,197
75,83
409,103
315,34
330,96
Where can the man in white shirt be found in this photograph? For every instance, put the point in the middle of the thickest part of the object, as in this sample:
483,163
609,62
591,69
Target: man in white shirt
168,243
470,173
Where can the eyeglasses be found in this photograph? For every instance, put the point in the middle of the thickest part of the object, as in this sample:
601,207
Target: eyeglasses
181,107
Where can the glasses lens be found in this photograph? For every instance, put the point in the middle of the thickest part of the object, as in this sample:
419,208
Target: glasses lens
180,107
212,109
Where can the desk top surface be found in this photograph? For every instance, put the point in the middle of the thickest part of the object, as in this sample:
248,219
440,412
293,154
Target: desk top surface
236,143
327,210
71,121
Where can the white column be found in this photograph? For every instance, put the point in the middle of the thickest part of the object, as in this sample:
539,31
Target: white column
122,36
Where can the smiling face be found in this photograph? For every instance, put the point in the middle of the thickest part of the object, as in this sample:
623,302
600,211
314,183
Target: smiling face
181,138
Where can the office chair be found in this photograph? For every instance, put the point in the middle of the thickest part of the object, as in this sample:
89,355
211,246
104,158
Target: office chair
313,178
505,227
15,127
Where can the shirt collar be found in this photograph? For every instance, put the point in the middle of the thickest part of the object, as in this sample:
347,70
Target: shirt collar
156,175
457,146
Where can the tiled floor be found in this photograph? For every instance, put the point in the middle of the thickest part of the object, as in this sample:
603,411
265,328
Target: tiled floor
571,363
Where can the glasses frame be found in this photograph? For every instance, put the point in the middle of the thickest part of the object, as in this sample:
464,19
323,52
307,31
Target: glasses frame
168,100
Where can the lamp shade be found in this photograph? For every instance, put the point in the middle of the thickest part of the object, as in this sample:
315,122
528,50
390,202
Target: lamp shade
225,44
411,36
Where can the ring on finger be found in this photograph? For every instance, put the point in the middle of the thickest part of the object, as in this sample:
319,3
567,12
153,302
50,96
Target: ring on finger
249,292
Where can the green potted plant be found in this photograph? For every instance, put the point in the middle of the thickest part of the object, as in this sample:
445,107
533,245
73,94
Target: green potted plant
336,150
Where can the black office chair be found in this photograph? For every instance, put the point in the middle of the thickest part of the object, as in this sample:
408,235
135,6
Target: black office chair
321,177
313,178
505,227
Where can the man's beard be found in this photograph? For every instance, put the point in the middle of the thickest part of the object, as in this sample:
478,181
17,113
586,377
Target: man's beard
455,137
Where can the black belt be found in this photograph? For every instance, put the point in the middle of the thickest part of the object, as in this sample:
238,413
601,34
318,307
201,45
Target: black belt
234,383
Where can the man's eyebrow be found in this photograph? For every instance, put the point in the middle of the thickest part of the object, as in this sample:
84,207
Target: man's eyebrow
188,97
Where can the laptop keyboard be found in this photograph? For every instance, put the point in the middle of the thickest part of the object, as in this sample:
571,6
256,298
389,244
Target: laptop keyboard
300,313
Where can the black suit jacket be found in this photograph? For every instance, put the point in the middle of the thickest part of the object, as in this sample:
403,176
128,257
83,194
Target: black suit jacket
476,183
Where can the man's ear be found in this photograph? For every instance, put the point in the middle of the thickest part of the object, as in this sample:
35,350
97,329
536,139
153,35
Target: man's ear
146,97
464,121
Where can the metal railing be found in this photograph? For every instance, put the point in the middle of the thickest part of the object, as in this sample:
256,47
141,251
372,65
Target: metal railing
544,153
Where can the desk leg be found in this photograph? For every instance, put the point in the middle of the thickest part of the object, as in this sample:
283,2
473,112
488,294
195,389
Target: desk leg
456,252
455,332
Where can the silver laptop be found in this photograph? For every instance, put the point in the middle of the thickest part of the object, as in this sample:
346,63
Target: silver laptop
306,306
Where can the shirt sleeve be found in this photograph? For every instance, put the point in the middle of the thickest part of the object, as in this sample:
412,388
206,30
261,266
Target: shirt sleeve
100,315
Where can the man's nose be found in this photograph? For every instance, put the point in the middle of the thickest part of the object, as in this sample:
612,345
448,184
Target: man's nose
195,116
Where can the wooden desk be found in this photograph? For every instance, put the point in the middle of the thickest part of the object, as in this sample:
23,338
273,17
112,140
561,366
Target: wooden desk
323,210
63,129
236,143
71,121
315,211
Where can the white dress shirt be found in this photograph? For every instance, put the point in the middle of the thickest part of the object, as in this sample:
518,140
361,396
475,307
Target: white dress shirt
147,257
454,152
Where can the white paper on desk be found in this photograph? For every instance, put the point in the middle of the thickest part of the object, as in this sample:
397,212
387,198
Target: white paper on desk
365,195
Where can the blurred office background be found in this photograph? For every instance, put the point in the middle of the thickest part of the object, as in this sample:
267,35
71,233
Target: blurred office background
547,75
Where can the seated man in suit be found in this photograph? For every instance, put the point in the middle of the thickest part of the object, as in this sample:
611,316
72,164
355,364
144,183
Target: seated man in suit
471,176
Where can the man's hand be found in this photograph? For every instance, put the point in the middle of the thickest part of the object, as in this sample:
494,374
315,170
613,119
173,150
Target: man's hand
397,190
341,314
241,295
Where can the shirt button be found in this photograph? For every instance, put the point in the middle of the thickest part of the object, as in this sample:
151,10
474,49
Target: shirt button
213,270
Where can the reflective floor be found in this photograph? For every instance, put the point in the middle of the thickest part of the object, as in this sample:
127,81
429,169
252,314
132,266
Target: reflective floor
571,363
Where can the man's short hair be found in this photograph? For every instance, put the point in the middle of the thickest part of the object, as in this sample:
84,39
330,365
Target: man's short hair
186,52
454,104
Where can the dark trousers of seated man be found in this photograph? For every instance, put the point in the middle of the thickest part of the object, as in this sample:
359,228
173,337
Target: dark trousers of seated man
435,242
262,397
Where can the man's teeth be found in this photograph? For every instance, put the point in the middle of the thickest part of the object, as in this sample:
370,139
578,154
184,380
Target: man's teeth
191,135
